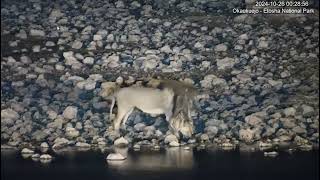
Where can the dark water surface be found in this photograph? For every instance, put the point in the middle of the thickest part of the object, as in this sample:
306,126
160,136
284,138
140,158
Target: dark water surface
173,163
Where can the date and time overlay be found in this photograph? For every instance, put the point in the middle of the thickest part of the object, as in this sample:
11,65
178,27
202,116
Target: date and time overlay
277,7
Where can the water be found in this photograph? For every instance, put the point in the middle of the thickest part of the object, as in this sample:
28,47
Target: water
173,163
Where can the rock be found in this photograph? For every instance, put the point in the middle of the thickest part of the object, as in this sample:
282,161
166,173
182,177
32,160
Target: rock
263,43
120,142
136,147
150,64
288,122
307,111
8,116
198,45
83,145
52,114
110,38
97,37
191,141
225,63
59,67
271,154
13,43
300,141
246,135
306,147
57,123
285,138
27,151
70,112
211,131
76,45
170,138
133,38
35,157
277,84
72,132
130,80
285,74
22,34
139,127
221,48
115,157
265,145
37,32
44,145
204,137
253,120
45,156
50,44
166,49
290,112
78,126
244,37
96,77
227,145
87,30
59,143
156,147
87,85
36,48
39,135
299,130
55,14
174,144
25,60
210,81
70,59
135,5
88,60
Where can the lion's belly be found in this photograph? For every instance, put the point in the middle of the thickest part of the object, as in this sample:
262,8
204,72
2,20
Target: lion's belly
152,110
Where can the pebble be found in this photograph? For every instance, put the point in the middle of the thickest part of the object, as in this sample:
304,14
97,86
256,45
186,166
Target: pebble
45,156
88,60
271,154
307,110
246,135
120,142
70,112
170,138
221,48
35,157
76,45
290,112
82,145
37,32
174,144
27,151
44,145
115,157
72,132
59,143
